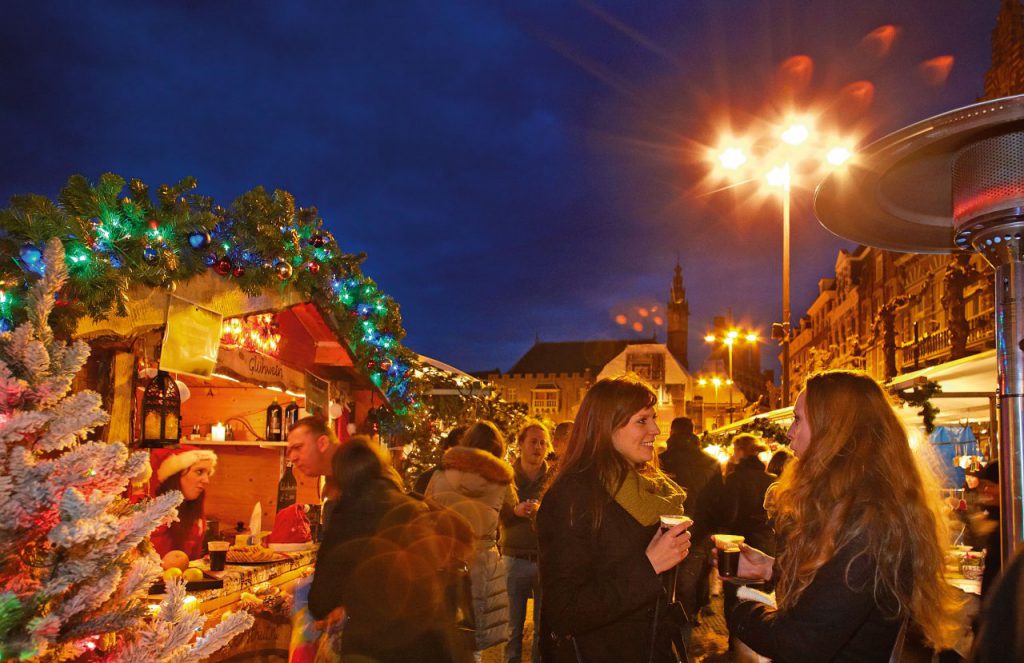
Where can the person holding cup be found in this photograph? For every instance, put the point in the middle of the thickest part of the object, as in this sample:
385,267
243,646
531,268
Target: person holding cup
860,533
602,552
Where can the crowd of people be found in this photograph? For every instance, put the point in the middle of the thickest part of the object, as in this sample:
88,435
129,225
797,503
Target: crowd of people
845,528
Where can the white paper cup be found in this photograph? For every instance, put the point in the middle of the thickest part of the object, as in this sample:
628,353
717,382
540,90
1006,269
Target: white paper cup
668,522
725,541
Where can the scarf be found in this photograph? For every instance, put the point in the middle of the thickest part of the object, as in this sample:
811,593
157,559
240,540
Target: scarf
646,499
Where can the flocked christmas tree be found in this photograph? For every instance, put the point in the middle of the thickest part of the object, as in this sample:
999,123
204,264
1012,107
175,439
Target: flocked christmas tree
75,563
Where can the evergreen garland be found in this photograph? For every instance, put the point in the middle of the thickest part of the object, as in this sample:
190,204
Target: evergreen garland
117,235
920,396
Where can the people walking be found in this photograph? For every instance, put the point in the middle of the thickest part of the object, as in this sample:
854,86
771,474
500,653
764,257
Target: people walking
519,535
602,553
862,536
477,484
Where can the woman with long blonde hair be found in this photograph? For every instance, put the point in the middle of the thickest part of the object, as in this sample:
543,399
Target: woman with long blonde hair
861,536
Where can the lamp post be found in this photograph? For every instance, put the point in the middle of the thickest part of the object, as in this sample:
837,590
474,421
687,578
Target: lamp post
780,151
716,382
729,339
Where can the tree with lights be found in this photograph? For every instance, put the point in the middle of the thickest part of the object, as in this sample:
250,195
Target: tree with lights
75,561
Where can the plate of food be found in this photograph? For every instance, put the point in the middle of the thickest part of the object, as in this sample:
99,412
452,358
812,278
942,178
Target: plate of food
248,555
195,579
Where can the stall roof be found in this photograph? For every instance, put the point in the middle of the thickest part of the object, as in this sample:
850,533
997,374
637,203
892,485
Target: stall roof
967,385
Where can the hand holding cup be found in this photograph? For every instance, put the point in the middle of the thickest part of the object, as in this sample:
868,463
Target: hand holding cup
671,544
750,563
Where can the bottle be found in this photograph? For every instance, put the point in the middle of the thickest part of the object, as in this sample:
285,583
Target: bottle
229,433
286,488
274,422
291,415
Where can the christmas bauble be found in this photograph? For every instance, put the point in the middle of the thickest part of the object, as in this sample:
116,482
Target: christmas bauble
267,266
385,365
30,254
5,325
370,365
198,239
318,240
284,270
314,267
238,271
154,224
211,259
150,255
223,266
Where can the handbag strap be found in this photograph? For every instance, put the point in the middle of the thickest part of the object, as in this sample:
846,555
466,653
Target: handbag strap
901,637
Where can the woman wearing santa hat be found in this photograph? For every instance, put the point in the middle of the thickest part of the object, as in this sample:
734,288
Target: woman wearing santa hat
186,469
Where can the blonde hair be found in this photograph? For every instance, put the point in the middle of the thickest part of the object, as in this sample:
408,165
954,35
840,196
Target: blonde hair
534,423
859,480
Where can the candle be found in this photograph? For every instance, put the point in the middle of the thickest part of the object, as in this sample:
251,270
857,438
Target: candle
217,432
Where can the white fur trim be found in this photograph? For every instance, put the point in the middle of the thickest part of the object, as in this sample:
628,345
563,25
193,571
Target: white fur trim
184,460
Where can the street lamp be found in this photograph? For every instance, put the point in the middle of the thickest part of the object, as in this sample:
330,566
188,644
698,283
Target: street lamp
729,339
778,155
716,382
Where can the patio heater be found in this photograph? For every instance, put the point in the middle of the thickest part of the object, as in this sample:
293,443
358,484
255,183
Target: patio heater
954,182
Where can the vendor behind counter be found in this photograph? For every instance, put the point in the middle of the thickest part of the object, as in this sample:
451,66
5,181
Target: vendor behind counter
187,469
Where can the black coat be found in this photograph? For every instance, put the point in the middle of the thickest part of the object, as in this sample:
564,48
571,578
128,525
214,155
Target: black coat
744,504
374,563
598,587
701,476
835,620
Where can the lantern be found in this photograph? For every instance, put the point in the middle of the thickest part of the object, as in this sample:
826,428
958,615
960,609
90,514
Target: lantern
161,412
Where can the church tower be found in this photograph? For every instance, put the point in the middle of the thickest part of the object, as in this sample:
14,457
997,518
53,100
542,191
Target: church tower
678,319
1006,75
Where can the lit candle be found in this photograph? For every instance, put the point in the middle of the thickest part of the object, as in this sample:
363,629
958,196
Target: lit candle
217,432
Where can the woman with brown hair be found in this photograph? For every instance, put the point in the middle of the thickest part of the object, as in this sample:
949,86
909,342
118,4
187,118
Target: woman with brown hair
860,533
601,550
188,470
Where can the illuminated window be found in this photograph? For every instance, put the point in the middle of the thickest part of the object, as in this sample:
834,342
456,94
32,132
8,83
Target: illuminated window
544,399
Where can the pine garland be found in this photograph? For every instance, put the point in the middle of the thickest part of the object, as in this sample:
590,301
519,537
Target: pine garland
920,396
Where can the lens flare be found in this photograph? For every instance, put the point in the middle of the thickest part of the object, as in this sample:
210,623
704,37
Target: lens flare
936,71
879,41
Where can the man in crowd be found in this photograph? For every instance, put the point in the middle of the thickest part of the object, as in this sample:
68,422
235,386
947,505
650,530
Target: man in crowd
519,535
701,475
560,440
311,446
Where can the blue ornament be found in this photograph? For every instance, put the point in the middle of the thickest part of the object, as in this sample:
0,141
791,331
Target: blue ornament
5,325
198,239
116,262
30,255
149,255
212,259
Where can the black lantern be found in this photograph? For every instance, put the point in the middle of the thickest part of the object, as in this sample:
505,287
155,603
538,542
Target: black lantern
161,412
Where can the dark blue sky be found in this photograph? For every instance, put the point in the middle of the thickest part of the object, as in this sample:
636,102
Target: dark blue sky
511,169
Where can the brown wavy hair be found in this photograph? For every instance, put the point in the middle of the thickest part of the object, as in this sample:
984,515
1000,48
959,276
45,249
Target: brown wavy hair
484,435
607,407
859,481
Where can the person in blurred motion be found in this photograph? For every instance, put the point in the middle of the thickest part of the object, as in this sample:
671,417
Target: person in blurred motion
862,536
519,534
778,461
743,495
379,563
450,440
602,552
187,469
476,483
700,475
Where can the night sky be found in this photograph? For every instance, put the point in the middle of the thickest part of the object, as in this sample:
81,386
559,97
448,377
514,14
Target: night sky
512,169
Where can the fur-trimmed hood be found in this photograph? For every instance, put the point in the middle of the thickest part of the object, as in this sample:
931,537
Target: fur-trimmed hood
480,462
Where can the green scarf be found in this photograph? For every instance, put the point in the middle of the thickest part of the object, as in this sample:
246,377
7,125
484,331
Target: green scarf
647,498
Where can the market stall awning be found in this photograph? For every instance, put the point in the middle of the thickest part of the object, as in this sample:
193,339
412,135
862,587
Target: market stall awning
306,339
968,386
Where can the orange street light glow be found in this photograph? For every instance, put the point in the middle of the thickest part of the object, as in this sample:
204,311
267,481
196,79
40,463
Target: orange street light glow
778,176
795,134
837,156
710,338
732,158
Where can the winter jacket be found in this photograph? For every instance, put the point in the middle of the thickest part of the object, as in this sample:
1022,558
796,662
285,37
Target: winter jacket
372,563
835,620
477,485
701,476
744,512
601,594
519,535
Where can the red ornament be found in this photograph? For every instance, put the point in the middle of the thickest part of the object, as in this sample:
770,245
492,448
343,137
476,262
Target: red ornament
238,272
154,224
385,365
223,266
313,267
371,364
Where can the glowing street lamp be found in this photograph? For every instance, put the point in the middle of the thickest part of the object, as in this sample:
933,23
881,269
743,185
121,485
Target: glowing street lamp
715,382
781,150
729,339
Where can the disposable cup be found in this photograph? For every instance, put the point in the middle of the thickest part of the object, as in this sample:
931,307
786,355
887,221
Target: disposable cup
668,522
726,541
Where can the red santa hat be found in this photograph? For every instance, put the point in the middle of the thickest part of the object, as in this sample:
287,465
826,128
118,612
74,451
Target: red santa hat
171,460
291,526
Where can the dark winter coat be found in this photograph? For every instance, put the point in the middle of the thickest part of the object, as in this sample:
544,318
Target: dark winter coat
519,535
835,620
374,564
744,504
600,591
700,476
477,486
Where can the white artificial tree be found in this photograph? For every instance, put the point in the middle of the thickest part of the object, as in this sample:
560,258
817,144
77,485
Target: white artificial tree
75,563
